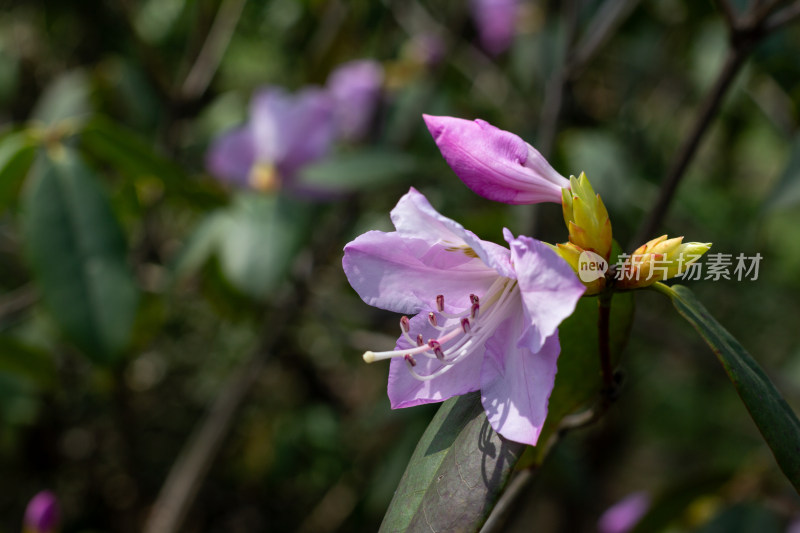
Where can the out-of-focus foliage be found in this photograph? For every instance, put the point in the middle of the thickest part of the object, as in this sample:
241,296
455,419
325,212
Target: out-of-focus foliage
133,283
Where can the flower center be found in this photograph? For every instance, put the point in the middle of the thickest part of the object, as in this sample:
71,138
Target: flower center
460,334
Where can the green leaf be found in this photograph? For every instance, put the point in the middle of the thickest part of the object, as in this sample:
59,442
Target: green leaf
259,239
65,99
363,169
25,362
456,473
134,157
78,253
776,421
16,155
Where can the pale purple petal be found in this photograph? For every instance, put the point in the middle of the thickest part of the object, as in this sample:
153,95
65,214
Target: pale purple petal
310,131
625,514
516,383
231,156
291,130
550,289
403,274
415,217
42,514
406,391
356,89
495,21
494,163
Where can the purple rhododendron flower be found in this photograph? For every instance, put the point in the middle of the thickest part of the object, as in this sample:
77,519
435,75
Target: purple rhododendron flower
41,515
625,514
486,316
494,163
355,88
495,21
285,131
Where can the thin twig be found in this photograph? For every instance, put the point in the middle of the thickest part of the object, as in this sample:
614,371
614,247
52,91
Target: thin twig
731,17
556,88
210,56
603,341
761,11
733,62
782,18
609,17
189,471
17,300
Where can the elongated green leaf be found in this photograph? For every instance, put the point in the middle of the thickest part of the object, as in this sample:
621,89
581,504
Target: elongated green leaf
776,421
134,157
358,170
78,253
66,99
16,155
456,474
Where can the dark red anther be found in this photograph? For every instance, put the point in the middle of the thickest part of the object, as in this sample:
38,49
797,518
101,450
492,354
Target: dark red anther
474,311
420,340
410,359
405,324
440,302
432,319
466,325
473,299
437,348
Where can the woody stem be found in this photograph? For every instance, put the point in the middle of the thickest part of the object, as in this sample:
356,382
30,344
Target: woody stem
604,348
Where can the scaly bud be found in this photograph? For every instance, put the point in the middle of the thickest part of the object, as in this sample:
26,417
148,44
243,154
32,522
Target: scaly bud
577,258
658,260
586,217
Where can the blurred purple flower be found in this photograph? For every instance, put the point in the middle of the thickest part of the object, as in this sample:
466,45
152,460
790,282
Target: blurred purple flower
625,514
355,88
284,132
497,311
495,21
42,515
494,163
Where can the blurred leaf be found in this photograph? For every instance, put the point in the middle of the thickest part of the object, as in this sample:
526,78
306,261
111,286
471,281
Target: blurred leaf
456,474
66,98
200,245
16,155
363,169
25,362
78,253
134,157
776,421
786,193
258,240
744,518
